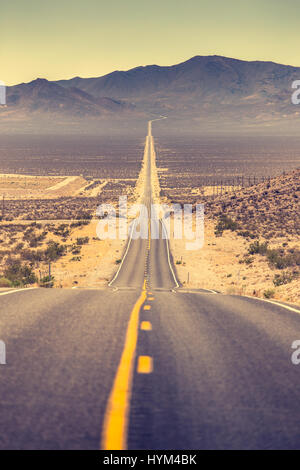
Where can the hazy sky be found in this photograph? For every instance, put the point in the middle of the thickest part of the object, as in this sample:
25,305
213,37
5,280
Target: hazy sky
64,38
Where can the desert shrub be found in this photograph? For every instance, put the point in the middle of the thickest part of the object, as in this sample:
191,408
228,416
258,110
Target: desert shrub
47,281
75,249
4,282
258,248
246,234
84,215
284,278
19,246
269,293
19,274
32,238
246,260
62,231
225,223
82,240
79,223
277,257
54,251
33,243
279,260
32,256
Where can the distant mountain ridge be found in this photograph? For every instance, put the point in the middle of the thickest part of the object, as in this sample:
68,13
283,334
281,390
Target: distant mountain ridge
203,88
198,74
45,96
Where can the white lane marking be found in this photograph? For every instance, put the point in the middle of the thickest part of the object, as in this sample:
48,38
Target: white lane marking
199,290
168,252
274,302
17,290
212,291
125,254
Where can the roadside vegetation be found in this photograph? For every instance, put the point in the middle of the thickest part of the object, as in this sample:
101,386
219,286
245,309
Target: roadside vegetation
284,259
27,250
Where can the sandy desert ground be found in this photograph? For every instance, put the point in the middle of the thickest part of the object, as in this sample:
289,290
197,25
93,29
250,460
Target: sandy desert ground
18,186
42,213
41,210
220,265
251,243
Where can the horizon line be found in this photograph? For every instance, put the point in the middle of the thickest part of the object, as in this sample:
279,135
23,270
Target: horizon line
154,65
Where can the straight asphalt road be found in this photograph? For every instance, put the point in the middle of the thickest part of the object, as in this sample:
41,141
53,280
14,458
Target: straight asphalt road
144,364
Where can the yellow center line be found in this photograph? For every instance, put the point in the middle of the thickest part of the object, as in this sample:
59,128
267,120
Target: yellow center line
150,298
145,365
146,326
115,427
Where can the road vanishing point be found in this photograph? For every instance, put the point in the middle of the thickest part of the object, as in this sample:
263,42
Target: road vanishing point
146,364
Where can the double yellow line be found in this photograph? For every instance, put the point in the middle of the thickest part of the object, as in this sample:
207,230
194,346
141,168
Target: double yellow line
115,426
114,435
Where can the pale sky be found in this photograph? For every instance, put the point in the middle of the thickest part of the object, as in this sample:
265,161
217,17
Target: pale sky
63,38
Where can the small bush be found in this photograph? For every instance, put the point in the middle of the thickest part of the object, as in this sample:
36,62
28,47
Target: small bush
258,248
47,282
284,278
76,258
246,259
225,223
269,293
82,240
246,234
84,215
54,251
279,260
75,250
19,274
4,282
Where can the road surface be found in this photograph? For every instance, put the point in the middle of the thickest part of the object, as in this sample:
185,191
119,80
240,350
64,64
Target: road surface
144,364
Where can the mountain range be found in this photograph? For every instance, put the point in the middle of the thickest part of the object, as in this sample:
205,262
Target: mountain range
44,96
204,89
